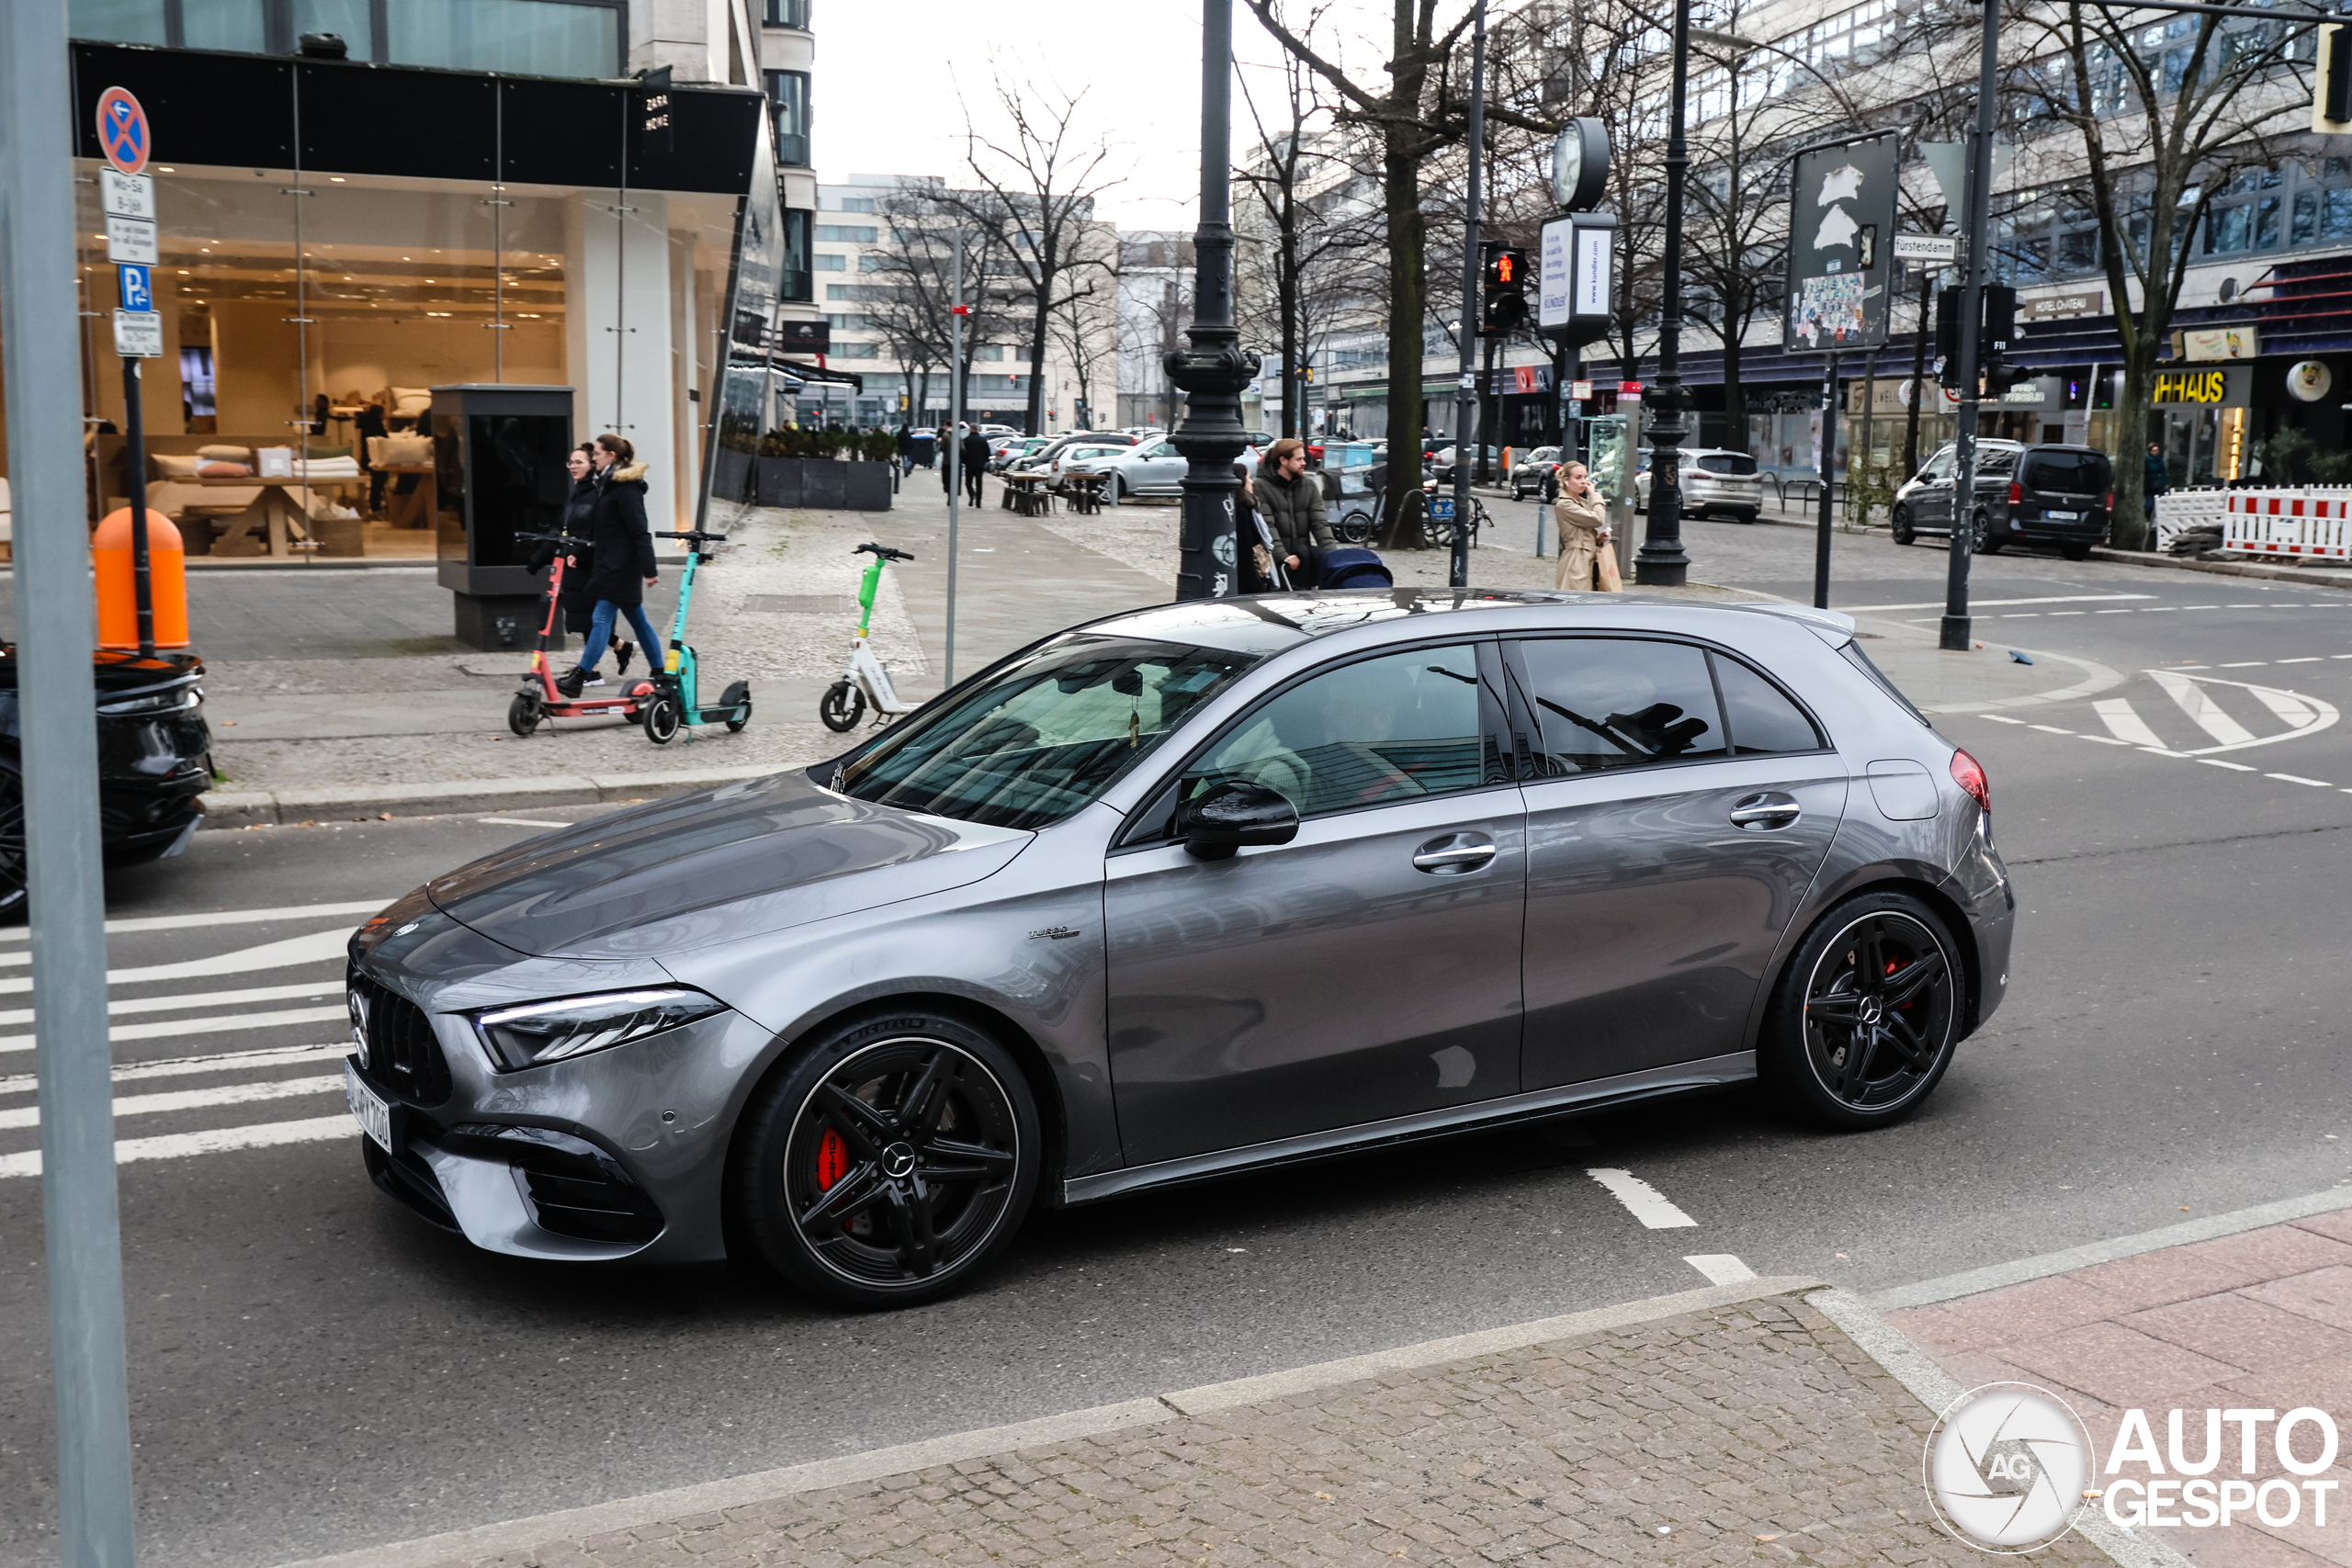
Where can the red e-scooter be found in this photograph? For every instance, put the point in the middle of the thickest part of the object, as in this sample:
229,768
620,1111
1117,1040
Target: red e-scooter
539,700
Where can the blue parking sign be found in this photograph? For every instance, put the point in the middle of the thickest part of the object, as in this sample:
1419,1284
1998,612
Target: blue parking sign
137,293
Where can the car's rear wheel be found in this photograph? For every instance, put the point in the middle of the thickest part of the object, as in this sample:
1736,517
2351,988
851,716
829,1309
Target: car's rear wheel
1899,526
1867,1014
888,1161
1981,538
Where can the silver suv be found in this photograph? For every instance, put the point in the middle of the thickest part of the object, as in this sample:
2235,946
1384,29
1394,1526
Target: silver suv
1714,481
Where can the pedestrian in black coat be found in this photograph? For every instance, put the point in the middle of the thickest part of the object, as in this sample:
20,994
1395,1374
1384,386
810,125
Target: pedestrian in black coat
622,567
976,464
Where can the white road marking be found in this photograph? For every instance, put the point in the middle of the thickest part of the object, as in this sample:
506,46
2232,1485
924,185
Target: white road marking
2246,664
2192,699
2217,763
1720,1267
2291,706
2307,659
1645,1203
2001,718
191,1099
193,1066
2125,724
2292,778
2105,740
180,1146
223,1024
2051,727
197,999
522,822
315,948
1996,604
229,918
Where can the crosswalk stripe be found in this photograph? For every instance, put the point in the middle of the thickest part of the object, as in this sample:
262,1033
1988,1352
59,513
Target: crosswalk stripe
2191,699
2124,723
317,947
192,1067
190,1099
228,918
198,999
171,1028
221,1140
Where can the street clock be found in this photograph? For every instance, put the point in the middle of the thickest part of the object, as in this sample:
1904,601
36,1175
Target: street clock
1580,165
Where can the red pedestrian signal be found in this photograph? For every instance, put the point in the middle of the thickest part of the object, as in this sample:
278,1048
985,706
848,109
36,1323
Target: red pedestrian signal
1502,304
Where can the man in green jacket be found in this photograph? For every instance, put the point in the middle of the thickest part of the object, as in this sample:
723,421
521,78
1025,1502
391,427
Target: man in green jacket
1291,501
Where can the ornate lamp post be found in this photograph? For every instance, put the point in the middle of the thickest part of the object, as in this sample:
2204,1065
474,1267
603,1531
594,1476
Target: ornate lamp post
1661,563
1215,369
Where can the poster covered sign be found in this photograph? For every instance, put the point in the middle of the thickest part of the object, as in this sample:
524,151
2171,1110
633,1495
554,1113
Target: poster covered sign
1841,232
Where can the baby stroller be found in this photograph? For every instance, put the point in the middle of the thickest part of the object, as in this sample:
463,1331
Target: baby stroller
1353,569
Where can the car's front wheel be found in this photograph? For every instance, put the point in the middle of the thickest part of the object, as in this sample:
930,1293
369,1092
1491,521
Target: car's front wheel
1899,525
889,1160
1867,1014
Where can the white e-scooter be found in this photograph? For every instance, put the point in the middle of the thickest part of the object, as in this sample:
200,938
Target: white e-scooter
864,682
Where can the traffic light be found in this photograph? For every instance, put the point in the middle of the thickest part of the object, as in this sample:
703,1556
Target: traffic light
1999,327
2331,83
1502,303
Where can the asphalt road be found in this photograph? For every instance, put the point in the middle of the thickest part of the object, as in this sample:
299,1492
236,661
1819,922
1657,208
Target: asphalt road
312,1369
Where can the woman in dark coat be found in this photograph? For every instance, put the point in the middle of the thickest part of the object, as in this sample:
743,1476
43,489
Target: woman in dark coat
577,602
621,567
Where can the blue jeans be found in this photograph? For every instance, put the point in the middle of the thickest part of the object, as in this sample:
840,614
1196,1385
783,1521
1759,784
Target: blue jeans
600,634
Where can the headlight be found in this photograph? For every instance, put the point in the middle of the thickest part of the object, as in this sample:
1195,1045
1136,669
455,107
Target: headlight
541,1032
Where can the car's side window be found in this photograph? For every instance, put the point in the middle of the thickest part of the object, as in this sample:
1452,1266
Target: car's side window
1762,720
1379,730
1605,702
1938,467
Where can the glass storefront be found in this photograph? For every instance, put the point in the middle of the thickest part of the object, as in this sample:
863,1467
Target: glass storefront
543,37
308,308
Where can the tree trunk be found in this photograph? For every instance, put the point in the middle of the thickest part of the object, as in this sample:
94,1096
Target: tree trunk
1286,302
2128,525
1034,420
1401,182
1735,395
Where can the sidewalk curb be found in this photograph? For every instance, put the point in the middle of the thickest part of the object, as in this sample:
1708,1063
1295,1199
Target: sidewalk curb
2217,567
518,1535
1936,1389
1975,1281
225,808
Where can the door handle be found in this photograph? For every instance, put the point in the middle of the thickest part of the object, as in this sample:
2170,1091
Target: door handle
1452,855
1766,811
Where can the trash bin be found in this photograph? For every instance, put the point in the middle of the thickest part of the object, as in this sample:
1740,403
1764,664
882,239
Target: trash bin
498,471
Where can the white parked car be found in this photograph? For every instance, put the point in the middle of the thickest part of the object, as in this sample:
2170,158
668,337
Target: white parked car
1148,467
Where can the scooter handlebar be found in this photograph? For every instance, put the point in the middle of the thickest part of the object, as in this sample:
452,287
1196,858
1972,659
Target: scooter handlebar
696,535
885,551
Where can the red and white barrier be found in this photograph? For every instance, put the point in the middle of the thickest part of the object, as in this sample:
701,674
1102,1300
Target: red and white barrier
2312,525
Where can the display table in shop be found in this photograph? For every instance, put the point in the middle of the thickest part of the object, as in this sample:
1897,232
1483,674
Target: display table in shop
413,509
277,522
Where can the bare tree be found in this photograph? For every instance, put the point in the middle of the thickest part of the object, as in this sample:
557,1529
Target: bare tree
916,285
1038,182
2168,112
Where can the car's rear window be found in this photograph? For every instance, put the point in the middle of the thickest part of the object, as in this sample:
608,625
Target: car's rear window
1727,463
2070,473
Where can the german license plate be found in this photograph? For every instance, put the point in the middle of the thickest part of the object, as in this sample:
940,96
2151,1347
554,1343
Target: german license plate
368,1109
2063,516
1441,509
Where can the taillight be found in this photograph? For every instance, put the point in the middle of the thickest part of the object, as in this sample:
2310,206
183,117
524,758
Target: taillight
2111,500
2017,494
1969,774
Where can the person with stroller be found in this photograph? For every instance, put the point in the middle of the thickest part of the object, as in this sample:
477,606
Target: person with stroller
622,554
1291,501
1583,517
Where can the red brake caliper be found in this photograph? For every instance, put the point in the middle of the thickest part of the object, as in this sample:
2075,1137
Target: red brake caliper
832,1159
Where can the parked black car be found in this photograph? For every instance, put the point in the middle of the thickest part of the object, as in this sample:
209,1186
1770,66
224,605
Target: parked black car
2051,494
155,760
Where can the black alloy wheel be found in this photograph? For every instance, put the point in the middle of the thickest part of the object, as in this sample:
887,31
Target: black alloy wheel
523,714
1867,1015
841,706
888,1162
1899,526
12,844
1982,540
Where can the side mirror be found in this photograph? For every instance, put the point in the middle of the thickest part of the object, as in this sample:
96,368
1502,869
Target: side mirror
1230,814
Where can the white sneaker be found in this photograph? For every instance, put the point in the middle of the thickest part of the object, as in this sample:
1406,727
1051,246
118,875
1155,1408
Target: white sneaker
595,678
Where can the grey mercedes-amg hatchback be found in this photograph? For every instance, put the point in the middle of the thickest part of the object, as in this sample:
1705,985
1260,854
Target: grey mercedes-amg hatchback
1181,892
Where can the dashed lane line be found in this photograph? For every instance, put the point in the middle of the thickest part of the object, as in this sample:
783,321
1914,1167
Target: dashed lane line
1645,1203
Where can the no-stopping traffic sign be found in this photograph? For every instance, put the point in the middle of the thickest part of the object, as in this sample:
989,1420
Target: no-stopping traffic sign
123,130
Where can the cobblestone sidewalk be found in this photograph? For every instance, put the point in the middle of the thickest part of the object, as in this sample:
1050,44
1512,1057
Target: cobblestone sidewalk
1755,1432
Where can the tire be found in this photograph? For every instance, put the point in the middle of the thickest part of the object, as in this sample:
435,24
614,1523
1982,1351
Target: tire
1819,1012
1355,528
663,718
869,1120
1745,517
2075,552
841,706
1982,540
735,726
738,695
523,714
1898,526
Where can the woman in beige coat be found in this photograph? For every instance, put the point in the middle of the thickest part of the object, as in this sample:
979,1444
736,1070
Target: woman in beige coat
1583,517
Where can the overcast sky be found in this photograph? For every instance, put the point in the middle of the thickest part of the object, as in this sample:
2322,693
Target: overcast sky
893,81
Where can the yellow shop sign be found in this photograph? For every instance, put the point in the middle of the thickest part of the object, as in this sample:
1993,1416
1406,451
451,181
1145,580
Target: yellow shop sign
2207,387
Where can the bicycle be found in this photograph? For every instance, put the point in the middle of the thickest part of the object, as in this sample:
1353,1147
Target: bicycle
1433,514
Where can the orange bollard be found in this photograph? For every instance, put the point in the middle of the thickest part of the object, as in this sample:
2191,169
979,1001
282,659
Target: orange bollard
118,593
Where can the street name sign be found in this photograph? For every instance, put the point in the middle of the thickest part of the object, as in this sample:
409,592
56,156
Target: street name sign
1927,247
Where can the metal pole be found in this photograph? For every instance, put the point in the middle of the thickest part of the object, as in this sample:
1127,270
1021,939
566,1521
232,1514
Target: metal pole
1957,631
1662,563
56,627
1918,383
953,439
134,460
1214,369
1828,459
1870,407
1458,571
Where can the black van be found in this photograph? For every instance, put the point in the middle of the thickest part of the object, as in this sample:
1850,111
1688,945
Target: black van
2056,496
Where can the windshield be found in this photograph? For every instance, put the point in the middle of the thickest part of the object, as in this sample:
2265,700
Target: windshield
1045,735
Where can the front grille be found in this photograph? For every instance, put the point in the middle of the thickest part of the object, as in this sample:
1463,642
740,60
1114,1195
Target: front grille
576,1188
403,1057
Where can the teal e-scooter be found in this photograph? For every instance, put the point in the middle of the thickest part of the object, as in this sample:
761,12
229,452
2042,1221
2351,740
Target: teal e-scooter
672,699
